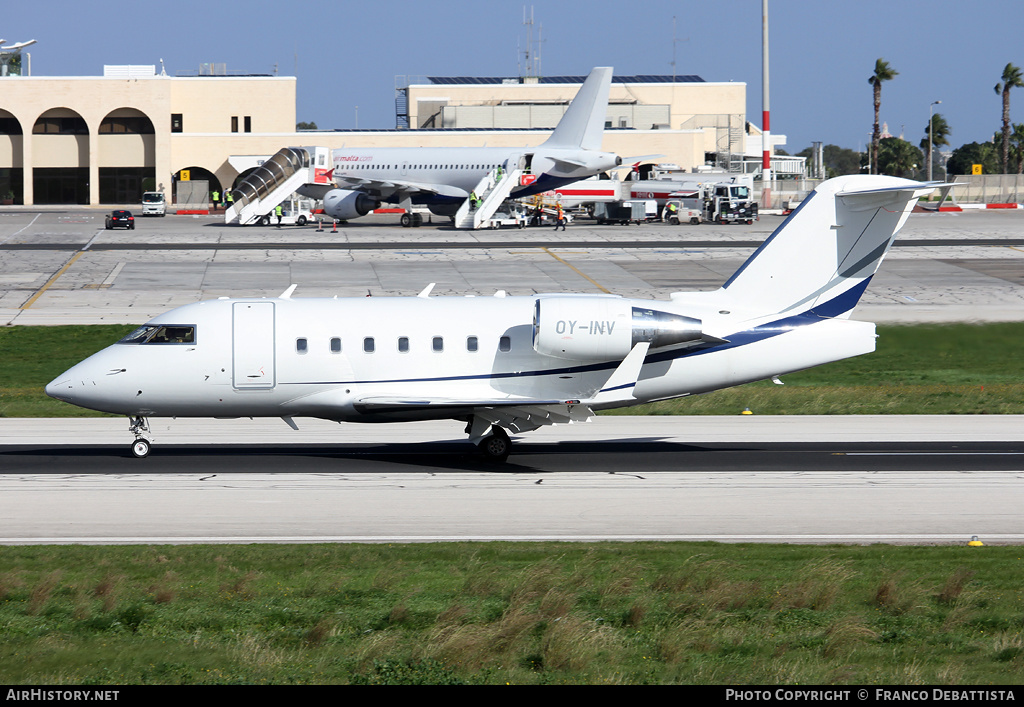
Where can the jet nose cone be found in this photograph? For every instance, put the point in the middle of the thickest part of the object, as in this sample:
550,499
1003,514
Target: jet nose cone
60,388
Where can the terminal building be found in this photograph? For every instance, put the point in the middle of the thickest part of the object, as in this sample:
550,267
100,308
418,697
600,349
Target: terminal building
106,139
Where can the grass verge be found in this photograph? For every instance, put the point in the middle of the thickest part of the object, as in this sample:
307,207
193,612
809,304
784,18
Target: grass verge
603,613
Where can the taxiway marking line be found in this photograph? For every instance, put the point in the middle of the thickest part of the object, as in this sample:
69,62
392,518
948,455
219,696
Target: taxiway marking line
586,277
52,280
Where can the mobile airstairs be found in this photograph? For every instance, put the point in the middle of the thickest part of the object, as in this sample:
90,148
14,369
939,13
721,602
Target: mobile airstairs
492,193
274,181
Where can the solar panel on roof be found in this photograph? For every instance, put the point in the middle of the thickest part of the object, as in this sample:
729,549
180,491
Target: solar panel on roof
640,78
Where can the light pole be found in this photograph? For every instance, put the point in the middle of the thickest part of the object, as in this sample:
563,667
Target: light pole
931,127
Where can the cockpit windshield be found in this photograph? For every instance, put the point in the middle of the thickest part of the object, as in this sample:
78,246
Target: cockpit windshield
162,334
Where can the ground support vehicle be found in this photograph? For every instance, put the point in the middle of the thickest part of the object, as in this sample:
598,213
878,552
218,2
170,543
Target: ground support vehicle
154,204
681,214
623,212
295,211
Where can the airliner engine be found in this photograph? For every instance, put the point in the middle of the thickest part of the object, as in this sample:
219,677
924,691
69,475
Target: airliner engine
344,204
594,328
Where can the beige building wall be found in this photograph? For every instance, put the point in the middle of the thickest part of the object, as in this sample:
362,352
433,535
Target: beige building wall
207,105
686,101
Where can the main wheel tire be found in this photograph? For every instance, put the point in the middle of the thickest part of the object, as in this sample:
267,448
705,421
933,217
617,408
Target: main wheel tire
140,448
406,220
496,446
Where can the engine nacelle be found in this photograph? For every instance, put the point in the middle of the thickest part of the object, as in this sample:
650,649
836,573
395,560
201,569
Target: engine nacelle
344,204
604,328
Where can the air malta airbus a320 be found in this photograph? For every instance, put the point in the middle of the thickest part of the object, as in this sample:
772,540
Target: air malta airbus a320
509,364
441,178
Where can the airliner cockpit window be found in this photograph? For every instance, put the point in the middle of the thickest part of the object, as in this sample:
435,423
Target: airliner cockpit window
161,334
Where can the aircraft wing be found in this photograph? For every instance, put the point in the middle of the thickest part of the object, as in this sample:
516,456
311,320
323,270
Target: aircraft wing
517,415
390,186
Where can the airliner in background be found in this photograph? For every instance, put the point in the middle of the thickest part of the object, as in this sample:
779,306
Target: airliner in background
442,178
509,364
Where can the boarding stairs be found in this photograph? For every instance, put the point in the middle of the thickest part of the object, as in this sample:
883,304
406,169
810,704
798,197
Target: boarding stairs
272,183
492,194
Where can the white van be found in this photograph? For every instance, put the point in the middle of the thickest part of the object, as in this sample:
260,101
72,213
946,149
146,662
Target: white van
153,204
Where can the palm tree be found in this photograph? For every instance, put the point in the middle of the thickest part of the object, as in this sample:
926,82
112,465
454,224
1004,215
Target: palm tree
939,130
1011,78
883,72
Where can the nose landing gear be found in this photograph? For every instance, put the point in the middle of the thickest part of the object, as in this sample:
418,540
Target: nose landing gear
139,426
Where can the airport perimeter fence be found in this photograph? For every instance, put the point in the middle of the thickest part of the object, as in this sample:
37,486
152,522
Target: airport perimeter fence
972,189
988,188
785,193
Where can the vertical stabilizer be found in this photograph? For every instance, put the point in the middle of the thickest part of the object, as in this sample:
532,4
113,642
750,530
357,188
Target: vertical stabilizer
822,257
582,126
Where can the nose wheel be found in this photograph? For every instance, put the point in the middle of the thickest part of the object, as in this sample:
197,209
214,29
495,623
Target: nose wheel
140,448
139,426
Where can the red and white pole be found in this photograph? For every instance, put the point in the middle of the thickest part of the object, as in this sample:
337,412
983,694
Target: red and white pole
766,134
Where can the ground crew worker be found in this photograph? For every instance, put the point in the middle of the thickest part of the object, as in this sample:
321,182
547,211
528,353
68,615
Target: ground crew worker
231,199
670,209
497,177
278,211
473,200
561,218
216,199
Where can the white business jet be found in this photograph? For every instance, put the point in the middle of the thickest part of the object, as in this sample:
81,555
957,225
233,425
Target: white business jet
441,178
509,364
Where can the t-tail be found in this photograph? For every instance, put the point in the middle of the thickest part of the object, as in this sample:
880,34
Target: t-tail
820,260
582,126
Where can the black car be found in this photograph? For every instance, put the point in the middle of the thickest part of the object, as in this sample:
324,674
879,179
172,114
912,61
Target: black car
121,218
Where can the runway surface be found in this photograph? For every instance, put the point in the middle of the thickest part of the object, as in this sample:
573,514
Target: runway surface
770,479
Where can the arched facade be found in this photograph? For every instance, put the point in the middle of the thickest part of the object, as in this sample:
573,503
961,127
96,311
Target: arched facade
127,156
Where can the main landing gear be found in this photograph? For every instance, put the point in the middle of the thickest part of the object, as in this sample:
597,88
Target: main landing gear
491,440
139,426
496,446
413,220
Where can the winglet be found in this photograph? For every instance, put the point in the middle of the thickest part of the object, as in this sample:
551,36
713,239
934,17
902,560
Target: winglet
620,385
287,294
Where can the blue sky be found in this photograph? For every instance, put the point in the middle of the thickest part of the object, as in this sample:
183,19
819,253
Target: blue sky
347,54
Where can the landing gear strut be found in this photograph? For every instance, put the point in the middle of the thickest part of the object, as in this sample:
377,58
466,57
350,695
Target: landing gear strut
139,426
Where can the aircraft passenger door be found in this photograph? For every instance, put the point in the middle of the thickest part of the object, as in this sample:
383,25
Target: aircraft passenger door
252,345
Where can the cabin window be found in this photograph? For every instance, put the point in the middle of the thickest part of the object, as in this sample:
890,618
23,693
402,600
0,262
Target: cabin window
368,345
335,345
301,345
437,344
472,344
504,344
403,344
161,334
